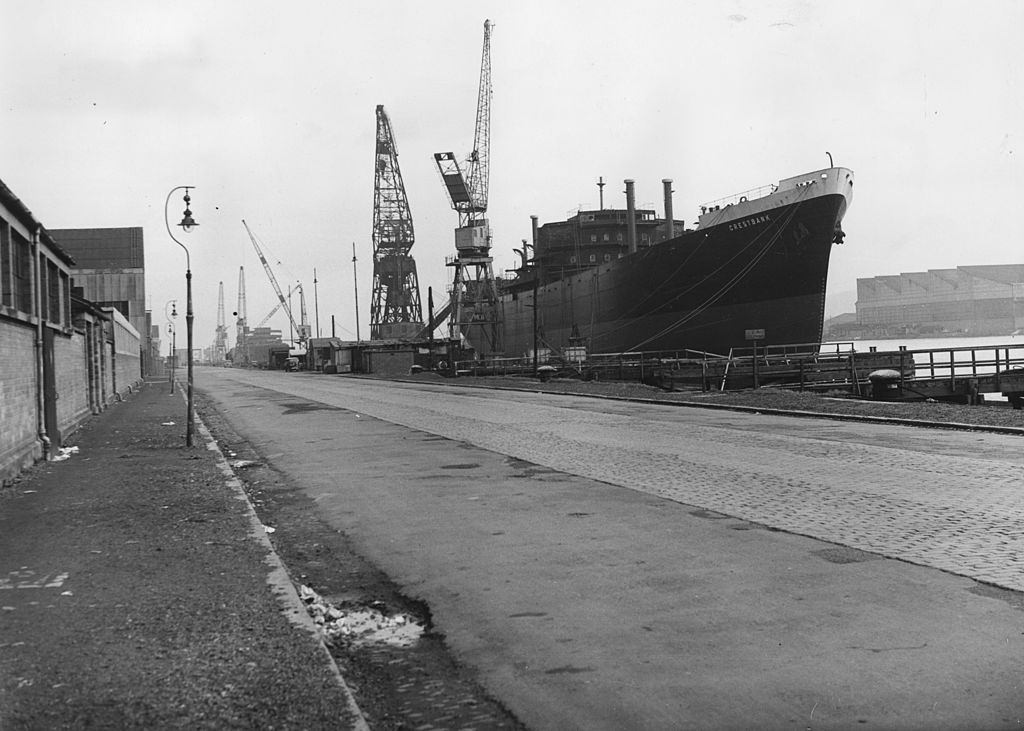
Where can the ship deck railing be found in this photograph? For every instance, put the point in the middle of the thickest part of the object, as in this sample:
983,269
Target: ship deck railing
748,195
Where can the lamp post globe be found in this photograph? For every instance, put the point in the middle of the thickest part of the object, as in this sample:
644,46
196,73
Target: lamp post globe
187,224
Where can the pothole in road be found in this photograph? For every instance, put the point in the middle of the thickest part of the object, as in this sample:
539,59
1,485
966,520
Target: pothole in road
1014,598
361,625
530,470
303,407
745,525
709,514
845,554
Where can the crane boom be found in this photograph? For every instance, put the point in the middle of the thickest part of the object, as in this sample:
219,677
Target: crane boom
273,280
303,318
273,312
479,159
468,190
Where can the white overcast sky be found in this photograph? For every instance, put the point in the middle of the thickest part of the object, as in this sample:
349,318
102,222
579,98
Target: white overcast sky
268,109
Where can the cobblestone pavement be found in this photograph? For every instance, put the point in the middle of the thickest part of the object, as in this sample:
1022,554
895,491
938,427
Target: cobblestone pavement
945,499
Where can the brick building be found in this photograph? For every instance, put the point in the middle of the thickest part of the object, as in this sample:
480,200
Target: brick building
62,358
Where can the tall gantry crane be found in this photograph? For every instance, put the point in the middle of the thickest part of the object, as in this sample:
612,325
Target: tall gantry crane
304,329
241,325
303,332
474,293
395,311
220,339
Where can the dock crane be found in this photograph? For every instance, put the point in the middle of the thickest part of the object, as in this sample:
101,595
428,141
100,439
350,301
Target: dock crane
304,329
220,340
395,311
241,354
474,294
303,332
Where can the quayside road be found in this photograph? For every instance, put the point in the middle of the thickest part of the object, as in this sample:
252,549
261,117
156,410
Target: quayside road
602,563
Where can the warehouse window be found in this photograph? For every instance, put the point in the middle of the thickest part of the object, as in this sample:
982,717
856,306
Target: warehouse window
65,293
43,302
53,285
21,273
7,286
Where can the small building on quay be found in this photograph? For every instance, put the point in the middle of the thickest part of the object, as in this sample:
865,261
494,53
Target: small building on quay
379,357
62,356
260,347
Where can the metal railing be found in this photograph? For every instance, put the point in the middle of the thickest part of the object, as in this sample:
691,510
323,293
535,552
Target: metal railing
964,362
800,365
748,195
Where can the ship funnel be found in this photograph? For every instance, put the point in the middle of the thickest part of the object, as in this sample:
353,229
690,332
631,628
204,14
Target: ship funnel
631,216
669,219
533,228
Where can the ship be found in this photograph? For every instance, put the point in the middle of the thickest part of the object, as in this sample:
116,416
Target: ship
752,268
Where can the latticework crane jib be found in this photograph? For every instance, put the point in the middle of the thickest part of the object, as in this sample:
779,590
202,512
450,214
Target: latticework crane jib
395,309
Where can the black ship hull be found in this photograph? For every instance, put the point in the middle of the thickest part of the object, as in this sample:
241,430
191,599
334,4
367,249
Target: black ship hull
761,266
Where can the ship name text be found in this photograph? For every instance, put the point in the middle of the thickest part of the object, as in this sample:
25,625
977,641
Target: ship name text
747,222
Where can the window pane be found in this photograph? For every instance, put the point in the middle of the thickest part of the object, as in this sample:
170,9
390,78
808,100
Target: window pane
6,273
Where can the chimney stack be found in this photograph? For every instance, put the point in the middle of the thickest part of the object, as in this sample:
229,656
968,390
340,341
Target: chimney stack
669,218
631,216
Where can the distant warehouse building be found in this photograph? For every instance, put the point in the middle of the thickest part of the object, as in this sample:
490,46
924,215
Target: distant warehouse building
969,300
110,270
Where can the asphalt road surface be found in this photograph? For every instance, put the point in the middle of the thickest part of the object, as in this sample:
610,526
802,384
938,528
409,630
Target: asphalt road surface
605,564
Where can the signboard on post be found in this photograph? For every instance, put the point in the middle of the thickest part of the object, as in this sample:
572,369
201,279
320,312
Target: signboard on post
755,335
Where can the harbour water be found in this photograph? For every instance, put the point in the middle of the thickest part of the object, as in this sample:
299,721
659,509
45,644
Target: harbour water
987,341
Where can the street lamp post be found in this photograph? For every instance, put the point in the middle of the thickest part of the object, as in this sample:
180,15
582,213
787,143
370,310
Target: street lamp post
173,304
187,224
